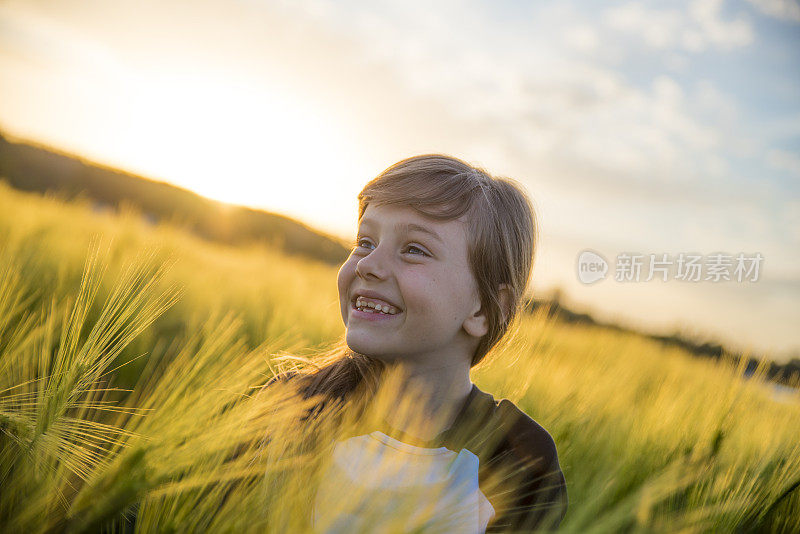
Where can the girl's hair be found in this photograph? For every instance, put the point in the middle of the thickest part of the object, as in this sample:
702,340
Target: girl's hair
501,236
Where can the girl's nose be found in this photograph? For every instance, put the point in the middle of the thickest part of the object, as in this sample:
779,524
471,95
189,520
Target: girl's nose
372,265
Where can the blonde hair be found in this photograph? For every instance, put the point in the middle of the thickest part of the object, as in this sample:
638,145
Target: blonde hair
502,233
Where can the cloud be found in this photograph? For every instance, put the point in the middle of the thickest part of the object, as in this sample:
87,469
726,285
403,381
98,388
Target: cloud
696,29
723,34
540,106
583,38
44,41
784,161
780,9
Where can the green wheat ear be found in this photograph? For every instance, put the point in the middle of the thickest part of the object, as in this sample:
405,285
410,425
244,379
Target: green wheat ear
114,490
53,407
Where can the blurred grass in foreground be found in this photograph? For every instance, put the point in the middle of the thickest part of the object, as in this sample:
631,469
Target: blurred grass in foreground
649,438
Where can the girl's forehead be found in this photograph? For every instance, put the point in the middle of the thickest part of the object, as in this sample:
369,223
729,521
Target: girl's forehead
402,220
398,213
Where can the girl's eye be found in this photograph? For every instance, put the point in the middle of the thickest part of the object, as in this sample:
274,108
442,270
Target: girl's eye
364,243
410,247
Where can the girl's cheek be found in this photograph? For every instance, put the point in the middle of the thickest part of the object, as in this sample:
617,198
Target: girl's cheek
343,287
345,276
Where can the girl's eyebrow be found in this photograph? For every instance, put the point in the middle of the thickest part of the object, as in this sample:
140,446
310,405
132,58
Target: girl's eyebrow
408,227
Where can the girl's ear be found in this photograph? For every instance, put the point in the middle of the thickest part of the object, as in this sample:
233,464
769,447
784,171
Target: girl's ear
477,324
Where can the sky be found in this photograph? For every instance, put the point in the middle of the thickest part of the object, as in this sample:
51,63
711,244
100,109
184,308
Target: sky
635,127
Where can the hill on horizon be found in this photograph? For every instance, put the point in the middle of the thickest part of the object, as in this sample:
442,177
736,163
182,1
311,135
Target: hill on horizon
33,167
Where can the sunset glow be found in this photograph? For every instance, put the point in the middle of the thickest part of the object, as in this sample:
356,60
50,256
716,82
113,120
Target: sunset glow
635,127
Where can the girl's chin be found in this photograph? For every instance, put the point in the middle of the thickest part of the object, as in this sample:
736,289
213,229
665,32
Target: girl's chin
366,346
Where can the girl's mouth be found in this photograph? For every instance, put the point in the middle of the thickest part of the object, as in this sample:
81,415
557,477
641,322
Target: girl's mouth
370,314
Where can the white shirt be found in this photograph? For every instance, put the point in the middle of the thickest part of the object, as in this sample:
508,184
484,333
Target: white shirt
372,476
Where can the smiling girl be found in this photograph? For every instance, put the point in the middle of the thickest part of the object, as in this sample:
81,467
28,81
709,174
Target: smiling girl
435,280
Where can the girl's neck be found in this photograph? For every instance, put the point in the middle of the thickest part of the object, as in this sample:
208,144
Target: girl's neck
434,398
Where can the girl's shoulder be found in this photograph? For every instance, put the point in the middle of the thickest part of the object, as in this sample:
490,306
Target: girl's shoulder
528,438
526,448
519,431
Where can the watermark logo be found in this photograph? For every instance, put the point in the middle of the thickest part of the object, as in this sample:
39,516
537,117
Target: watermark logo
685,267
591,267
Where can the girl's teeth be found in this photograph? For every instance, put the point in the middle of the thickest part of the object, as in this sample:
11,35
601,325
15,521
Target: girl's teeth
379,308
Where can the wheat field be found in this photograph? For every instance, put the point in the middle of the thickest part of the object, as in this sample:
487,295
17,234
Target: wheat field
132,355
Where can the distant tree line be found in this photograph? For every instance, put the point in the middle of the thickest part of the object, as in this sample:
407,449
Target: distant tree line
787,374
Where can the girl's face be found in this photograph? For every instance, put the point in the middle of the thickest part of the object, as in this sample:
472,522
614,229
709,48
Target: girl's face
417,267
